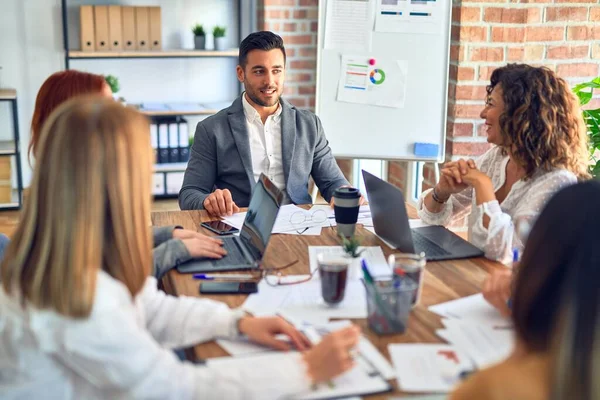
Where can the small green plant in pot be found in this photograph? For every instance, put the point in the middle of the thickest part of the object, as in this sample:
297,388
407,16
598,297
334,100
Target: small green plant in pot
351,247
585,92
219,36
113,82
199,37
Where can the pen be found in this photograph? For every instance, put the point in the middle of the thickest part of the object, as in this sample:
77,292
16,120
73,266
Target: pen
210,277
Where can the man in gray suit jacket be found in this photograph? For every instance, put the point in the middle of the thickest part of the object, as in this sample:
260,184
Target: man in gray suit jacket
259,132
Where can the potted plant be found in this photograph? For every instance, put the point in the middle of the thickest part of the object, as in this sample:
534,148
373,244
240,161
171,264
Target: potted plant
219,36
113,82
585,92
199,37
351,246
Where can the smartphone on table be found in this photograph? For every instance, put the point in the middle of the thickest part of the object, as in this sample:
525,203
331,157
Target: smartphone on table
220,227
228,287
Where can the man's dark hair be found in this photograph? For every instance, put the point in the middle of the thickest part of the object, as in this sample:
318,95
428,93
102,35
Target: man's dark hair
263,40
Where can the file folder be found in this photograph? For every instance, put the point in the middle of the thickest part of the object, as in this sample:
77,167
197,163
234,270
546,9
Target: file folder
101,27
86,28
155,29
173,182
173,142
115,27
163,142
128,28
184,141
154,139
142,28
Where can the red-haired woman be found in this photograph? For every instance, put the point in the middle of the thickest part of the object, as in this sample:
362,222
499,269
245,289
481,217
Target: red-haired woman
172,244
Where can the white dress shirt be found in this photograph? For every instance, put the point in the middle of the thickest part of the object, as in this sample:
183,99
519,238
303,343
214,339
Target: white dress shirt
265,144
122,350
521,207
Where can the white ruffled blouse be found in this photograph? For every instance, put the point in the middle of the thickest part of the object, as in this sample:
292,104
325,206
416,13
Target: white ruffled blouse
519,209
123,351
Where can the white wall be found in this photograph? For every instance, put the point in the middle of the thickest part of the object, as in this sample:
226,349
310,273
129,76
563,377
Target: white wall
31,49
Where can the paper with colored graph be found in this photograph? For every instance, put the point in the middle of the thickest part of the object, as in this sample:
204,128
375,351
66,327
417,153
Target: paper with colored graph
373,80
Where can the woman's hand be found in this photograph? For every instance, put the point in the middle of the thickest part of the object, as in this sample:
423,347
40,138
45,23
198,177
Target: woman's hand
451,177
264,331
186,234
332,356
497,290
204,246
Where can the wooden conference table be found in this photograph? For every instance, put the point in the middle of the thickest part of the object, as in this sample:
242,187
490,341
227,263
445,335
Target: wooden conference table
444,281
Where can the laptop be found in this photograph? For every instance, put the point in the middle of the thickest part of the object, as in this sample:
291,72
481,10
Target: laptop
391,224
246,250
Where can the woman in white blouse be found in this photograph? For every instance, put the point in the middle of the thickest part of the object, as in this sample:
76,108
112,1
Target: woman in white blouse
80,316
540,146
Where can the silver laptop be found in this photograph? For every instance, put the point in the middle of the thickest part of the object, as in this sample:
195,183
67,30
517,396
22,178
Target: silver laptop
246,250
391,224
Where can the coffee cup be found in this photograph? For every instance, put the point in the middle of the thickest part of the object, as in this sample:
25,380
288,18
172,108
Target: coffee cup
346,203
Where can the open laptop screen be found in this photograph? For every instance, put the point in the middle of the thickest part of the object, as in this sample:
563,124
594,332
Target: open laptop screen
262,212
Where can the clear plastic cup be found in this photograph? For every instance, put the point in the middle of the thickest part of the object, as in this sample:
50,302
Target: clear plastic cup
411,266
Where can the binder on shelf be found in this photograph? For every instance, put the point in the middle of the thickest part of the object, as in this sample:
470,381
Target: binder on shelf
173,181
173,142
101,27
128,27
155,28
184,141
115,28
142,28
163,142
154,139
86,28
158,184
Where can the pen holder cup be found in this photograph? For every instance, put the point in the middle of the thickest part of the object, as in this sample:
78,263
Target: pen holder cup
388,307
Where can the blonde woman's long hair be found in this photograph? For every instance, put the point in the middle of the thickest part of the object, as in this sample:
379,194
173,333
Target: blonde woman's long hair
88,208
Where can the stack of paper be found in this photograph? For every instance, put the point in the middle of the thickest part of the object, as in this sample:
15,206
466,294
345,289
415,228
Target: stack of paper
354,382
294,220
477,328
304,300
370,358
373,256
428,367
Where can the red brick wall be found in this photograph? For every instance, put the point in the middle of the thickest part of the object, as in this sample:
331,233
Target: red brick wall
561,34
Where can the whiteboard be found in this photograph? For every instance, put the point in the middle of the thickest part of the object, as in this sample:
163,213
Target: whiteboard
376,132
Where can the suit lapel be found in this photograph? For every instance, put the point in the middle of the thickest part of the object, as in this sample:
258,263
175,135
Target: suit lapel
288,137
237,122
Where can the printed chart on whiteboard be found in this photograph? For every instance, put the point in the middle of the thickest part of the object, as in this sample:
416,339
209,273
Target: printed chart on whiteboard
409,16
378,82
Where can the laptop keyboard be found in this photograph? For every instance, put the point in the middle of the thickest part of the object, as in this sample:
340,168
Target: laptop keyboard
430,248
234,255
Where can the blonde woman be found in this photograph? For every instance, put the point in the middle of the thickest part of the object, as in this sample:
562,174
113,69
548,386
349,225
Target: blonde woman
540,138
81,319
172,245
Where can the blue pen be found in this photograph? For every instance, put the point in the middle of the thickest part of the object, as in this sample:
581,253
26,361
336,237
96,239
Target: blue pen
228,277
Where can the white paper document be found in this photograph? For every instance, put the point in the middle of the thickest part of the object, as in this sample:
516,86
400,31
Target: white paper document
349,25
409,16
373,81
483,344
472,309
428,367
354,382
304,300
375,361
373,256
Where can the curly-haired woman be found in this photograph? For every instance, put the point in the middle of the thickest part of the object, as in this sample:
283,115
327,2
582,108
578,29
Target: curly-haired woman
540,139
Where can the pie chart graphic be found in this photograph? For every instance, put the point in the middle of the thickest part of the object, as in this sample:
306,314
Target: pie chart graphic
377,76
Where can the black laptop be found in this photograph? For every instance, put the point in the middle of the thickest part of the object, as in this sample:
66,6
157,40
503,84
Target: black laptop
246,250
391,224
